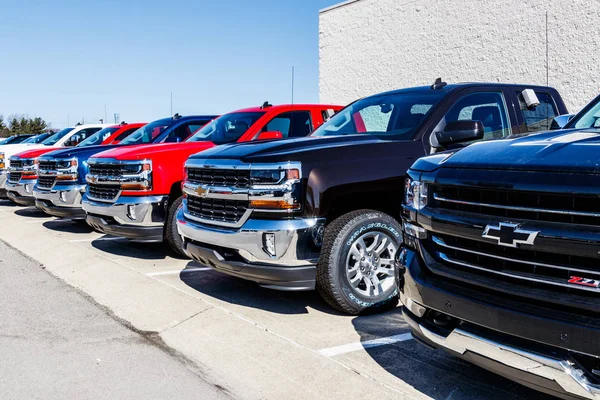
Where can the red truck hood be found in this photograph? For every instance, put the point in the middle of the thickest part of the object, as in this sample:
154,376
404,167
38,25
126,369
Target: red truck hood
149,151
36,153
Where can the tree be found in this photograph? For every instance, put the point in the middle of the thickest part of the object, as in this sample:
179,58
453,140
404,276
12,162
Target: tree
19,124
4,132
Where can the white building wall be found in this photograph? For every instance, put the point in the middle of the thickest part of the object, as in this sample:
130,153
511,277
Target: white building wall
369,46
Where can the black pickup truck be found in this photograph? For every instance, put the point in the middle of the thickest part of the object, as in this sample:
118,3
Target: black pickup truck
500,263
323,212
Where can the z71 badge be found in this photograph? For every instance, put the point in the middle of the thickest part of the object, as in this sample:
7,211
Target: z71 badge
575,280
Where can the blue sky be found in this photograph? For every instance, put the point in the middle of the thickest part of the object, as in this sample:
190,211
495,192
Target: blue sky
68,59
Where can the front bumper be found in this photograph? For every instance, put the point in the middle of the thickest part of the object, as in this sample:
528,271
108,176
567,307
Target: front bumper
22,192
61,201
240,252
512,340
3,179
139,219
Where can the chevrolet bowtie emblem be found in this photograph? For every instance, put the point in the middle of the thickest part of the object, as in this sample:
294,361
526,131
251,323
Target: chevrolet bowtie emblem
510,235
200,191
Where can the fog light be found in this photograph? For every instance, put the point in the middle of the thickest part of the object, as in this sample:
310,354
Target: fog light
269,244
131,212
62,196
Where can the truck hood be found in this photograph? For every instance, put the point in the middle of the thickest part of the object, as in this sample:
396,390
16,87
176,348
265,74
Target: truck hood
36,152
148,151
287,149
81,152
559,151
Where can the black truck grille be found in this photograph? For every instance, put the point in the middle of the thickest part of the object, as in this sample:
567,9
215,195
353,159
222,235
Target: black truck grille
48,165
535,206
216,209
14,176
219,177
103,192
16,163
46,182
516,266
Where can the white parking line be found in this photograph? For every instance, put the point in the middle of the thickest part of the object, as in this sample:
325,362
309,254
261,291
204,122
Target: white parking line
347,348
96,239
177,272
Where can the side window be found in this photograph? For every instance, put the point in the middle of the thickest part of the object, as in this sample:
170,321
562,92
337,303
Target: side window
487,107
538,118
291,124
184,131
80,136
124,134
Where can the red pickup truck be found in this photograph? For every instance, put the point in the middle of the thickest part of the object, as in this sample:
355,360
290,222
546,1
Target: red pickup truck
135,191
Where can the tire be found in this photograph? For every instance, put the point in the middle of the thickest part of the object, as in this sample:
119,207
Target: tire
172,236
347,239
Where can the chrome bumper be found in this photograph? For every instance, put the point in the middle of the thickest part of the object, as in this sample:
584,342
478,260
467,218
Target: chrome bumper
291,239
3,179
71,195
131,211
565,373
23,189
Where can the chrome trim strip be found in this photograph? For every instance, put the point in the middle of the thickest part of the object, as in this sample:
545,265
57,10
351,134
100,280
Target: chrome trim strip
223,224
517,276
564,372
441,242
516,208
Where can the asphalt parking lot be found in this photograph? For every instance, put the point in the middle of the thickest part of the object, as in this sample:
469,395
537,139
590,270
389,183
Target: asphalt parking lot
252,342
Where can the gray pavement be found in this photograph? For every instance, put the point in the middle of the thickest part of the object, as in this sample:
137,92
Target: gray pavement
55,343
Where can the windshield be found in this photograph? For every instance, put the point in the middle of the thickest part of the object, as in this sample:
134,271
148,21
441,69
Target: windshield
52,140
98,137
587,119
148,133
227,128
38,138
395,116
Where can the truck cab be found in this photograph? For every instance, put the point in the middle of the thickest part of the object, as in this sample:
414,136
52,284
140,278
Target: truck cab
322,212
135,191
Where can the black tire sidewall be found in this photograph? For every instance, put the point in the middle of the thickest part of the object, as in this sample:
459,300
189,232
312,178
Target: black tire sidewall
371,222
174,240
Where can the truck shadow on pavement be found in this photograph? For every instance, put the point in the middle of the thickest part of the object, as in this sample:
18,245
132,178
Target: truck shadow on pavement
249,294
68,226
434,372
123,247
31,212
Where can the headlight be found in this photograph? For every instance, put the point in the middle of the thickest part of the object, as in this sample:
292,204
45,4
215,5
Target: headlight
29,168
277,188
415,194
67,169
137,177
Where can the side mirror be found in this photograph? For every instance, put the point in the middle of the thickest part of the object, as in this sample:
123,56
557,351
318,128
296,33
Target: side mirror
560,121
459,132
270,135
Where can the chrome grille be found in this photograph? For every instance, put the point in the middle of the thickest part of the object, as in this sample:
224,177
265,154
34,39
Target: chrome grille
106,169
511,204
103,192
219,177
46,182
48,165
216,209
516,265
14,177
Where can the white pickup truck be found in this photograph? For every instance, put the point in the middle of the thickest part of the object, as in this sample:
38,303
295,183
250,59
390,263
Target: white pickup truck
67,137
